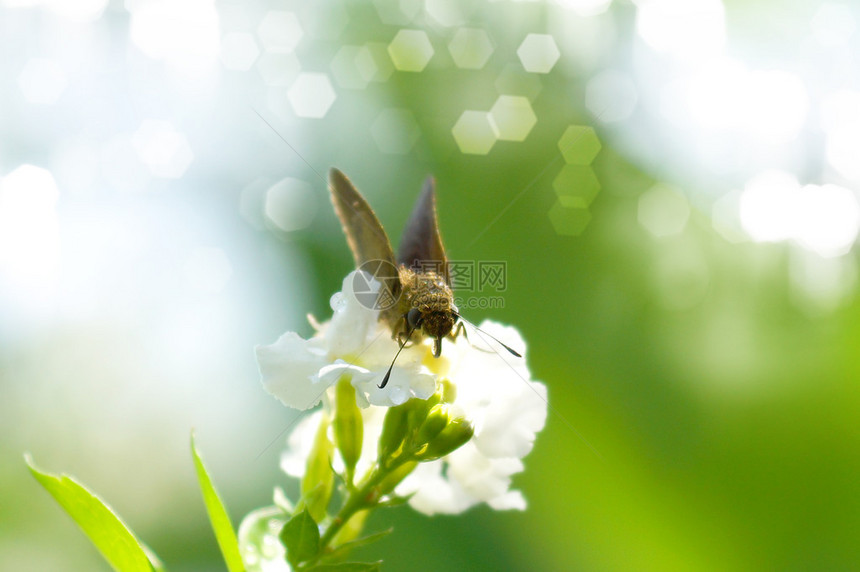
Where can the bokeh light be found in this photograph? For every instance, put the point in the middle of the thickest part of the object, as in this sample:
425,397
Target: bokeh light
239,51
29,230
278,68
611,96
475,132
447,13
569,219
576,186
833,24
353,67
410,50
290,204
579,145
682,29
470,48
663,211
586,7
163,149
280,30
185,34
311,95
538,53
513,117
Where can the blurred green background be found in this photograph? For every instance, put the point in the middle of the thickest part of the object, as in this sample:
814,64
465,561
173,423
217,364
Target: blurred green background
672,186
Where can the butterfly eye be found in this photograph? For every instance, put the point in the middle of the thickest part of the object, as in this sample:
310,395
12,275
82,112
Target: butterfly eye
413,318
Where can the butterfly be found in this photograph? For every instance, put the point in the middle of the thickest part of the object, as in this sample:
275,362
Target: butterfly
415,297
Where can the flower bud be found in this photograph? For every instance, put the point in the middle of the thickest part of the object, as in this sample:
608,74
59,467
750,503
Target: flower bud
394,428
455,434
318,482
447,391
348,425
433,424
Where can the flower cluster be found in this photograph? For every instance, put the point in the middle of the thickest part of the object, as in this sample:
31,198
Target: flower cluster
443,435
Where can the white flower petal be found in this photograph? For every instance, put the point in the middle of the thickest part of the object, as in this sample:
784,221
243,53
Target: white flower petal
432,493
403,384
512,500
505,406
288,369
353,323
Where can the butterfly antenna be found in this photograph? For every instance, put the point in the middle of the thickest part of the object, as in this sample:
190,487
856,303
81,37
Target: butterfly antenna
402,345
498,341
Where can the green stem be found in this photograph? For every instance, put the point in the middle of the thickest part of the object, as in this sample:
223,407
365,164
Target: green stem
364,497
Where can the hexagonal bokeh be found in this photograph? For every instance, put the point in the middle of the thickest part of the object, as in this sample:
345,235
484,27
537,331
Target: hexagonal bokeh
280,30
397,12
513,117
475,132
290,204
470,48
353,67
611,96
447,13
381,59
515,81
311,95
568,220
42,81
162,149
663,211
538,53
239,51
579,145
410,50
576,185
325,21
395,131
278,68
725,217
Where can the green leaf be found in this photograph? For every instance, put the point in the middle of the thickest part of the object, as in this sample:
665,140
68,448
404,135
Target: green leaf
218,516
301,537
347,567
104,528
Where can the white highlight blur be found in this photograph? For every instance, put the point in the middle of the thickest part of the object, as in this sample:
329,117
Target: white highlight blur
161,148
770,105
840,114
29,235
184,34
682,29
75,10
833,24
821,218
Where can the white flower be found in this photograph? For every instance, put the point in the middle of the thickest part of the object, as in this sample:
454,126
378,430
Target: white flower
507,410
299,371
494,391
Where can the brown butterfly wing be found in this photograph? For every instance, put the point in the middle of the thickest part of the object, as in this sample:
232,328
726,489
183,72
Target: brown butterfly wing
421,244
364,233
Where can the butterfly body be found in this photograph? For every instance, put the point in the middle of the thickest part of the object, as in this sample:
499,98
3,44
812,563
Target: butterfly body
415,297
